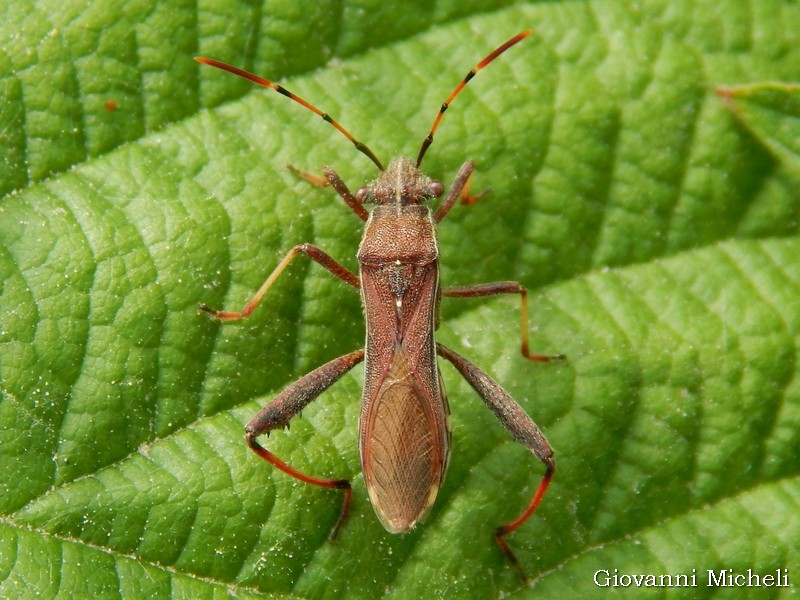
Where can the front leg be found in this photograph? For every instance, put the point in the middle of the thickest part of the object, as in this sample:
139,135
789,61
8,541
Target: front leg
459,189
331,178
278,413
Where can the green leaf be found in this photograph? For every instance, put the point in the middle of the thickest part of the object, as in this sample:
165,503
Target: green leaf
654,221
772,112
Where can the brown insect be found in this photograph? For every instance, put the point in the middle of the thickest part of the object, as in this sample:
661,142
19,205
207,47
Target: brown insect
404,430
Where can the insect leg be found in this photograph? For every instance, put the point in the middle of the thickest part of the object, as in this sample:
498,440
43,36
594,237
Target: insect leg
461,188
332,178
504,287
460,184
468,198
521,427
313,253
287,404
317,180
342,189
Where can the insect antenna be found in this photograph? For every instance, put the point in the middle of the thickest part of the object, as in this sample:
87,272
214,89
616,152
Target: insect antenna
497,52
360,146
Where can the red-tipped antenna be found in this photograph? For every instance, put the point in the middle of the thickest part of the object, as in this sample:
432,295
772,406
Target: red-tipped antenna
429,138
360,146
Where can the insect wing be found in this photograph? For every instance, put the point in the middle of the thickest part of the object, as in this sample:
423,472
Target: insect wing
404,448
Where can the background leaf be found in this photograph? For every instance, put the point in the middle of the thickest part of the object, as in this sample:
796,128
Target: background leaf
654,220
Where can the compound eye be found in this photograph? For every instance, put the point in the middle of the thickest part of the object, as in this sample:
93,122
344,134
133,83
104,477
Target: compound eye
361,194
437,188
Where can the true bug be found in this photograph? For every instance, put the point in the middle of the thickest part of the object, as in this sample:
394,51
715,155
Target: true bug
404,433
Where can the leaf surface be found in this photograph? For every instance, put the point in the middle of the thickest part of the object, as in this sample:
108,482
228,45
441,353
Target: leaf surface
644,172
